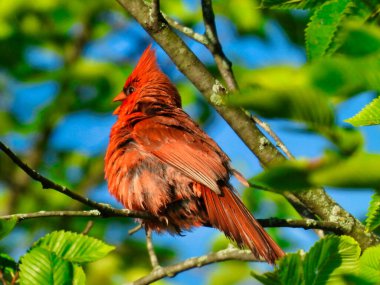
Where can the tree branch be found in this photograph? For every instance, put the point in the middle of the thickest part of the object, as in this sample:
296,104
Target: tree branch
186,30
113,212
46,183
221,60
276,138
172,270
316,200
155,14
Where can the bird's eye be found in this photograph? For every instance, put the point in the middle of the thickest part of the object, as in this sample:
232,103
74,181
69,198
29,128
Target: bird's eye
128,90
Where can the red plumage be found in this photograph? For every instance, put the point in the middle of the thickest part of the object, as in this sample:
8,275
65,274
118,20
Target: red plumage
160,161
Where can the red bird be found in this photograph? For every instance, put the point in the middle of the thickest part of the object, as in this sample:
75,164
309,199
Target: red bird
159,161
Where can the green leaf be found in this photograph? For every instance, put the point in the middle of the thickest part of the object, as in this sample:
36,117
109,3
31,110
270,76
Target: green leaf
74,247
323,26
367,35
291,270
352,279
79,275
294,4
373,214
6,226
358,171
7,263
268,278
39,266
369,264
301,105
289,175
369,115
329,258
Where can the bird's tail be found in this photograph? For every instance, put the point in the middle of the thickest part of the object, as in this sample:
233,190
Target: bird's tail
228,213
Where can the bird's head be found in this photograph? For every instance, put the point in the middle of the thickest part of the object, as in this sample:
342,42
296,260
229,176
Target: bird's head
147,85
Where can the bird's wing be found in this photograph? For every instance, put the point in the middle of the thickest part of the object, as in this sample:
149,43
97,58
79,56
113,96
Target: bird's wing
183,145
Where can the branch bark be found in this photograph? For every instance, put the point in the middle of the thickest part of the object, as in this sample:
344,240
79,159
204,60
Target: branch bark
317,201
172,270
109,212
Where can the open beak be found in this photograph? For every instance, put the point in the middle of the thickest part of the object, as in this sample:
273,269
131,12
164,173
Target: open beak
120,97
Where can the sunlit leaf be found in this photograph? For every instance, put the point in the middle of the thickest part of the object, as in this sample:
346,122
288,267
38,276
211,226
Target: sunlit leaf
300,105
6,226
75,247
373,214
352,279
79,277
369,265
367,35
329,258
369,115
358,171
291,270
323,25
268,278
289,175
40,266
298,4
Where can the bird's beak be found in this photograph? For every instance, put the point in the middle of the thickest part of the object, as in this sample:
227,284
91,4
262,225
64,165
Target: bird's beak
120,97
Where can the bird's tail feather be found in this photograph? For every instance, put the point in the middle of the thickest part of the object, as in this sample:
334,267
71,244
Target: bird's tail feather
228,213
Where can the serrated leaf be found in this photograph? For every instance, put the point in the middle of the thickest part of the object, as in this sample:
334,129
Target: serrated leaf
7,263
323,25
369,115
6,226
290,175
74,247
268,278
329,259
39,266
79,275
297,104
352,279
358,171
369,264
291,269
367,35
294,4
373,214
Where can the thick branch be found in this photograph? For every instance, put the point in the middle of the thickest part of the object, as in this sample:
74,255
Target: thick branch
172,270
316,200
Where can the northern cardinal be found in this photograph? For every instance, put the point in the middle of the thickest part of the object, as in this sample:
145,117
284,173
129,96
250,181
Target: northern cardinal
159,161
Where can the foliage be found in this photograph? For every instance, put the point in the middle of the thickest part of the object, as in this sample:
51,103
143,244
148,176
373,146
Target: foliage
332,260
60,66
57,258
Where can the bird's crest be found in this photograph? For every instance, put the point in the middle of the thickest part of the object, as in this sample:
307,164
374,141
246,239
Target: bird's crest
147,64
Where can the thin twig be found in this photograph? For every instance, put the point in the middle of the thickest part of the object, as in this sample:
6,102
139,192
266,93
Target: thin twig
2,279
189,32
149,246
88,227
135,229
49,184
172,270
276,138
223,63
270,222
15,278
304,223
